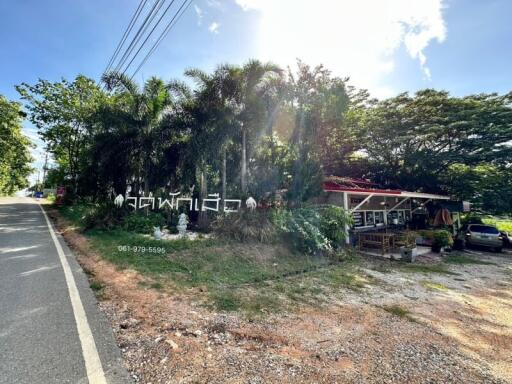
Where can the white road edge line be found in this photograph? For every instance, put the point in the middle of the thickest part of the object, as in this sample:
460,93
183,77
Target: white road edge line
95,373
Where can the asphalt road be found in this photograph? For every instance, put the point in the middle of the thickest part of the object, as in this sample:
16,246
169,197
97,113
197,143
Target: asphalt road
43,333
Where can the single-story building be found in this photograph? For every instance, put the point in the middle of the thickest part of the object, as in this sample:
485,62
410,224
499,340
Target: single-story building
373,208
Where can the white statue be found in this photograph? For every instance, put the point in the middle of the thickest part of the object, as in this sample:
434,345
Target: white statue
118,201
157,233
251,204
182,224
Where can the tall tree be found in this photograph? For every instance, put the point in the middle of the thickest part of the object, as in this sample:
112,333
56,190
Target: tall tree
62,112
15,156
145,109
252,105
409,142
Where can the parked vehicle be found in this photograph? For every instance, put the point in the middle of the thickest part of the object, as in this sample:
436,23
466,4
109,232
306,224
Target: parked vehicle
481,235
507,239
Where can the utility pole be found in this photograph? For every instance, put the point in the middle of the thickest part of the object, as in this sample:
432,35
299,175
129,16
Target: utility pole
45,167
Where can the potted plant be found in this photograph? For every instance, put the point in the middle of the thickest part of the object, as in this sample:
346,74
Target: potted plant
408,253
441,240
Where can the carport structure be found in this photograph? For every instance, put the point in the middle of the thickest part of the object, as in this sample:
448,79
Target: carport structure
373,208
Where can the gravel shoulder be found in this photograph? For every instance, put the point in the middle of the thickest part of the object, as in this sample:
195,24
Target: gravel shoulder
402,327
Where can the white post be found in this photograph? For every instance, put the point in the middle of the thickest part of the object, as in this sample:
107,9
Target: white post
385,212
345,207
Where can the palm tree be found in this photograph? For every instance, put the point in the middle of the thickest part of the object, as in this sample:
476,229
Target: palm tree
253,85
214,114
145,109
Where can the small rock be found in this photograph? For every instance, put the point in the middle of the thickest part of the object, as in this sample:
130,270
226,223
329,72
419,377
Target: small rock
158,339
172,344
128,323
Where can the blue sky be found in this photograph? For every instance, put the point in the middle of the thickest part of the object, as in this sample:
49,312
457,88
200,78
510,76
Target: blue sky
387,46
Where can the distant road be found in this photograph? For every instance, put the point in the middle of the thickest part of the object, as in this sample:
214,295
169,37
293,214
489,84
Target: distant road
51,330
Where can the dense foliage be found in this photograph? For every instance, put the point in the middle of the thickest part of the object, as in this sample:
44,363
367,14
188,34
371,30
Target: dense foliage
313,230
434,142
14,149
272,134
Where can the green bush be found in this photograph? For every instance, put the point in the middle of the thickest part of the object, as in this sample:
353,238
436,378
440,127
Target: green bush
141,223
105,216
310,230
442,238
302,227
245,226
333,220
313,230
472,218
426,233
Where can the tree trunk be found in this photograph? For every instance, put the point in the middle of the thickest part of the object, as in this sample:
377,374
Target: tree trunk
243,172
203,193
224,161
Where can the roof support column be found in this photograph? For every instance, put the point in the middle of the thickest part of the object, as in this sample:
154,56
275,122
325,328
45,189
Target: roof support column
345,207
385,212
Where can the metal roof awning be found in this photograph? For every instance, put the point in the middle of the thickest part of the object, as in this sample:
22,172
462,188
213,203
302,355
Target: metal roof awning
333,187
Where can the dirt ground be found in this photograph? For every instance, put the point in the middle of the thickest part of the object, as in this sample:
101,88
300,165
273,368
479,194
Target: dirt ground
455,328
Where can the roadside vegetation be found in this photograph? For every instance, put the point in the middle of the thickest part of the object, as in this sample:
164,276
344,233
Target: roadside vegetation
274,134
15,147
257,130
253,277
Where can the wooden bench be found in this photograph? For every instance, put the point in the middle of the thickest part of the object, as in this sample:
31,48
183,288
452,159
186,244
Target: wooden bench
376,240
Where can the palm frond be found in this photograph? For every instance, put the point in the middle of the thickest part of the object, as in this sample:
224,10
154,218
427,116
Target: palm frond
118,81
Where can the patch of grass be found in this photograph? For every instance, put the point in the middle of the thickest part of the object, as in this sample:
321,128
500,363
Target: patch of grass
342,278
262,302
435,286
382,267
226,301
96,286
460,258
98,289
76,213
156,285
426,268
253,303
307,290
252,278
226,270
199,263
399,311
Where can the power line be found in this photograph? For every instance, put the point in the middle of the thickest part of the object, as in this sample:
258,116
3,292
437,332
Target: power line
162,36
126,33
148,36
142,29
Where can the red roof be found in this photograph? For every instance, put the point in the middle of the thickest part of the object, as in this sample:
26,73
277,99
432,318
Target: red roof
330,186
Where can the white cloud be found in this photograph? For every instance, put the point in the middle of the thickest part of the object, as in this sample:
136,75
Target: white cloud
214,3
356,38
214,27
199,13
